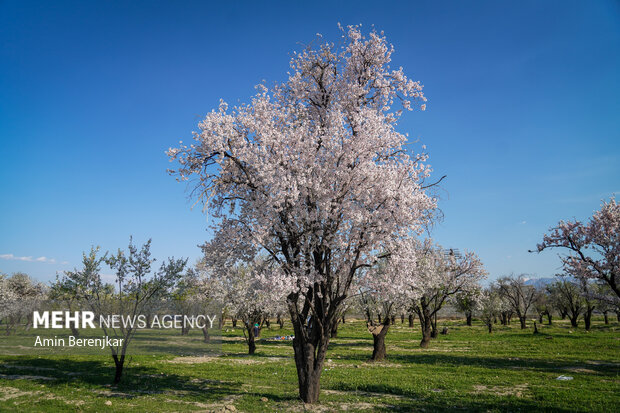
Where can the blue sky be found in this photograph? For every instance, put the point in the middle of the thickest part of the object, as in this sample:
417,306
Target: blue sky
523,115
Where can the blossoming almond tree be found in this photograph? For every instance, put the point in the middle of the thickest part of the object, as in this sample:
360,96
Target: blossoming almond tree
594,247
314,173
382,294
249,294
431,275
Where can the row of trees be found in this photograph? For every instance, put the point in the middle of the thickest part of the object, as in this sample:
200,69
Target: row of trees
565,297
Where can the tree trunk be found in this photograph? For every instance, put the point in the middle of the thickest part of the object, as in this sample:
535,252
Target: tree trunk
540,318
310,347
606,318
334,332
268,323
393,320
280,321
563,314
234,322
343,319
205,333
434,331
618,315
587,317
549,318
118,363
468,317
411,318
574,320
490,325
522,321
378,338
425,323
251,342
504,319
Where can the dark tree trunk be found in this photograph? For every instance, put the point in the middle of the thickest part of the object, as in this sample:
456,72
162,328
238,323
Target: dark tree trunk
378,338
434,331
118,363
234,322
540,318
587,317
549,318
310,346
574,320
402,318
425,323
267,323
509,318
205,333
251,342
280,321
504,319
606,318
252,334
308,370
334,332
535,328
522,321
393,320
618,315
426,334
490,326
468,317
343,319
411,318
494,320
563,314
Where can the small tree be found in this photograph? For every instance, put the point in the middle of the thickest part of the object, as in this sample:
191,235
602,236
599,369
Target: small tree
489,305
519,295
568,294
467,302
542,306
248,294
589,294
135,286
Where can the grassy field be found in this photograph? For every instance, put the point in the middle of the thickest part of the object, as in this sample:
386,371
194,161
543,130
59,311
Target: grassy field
468,370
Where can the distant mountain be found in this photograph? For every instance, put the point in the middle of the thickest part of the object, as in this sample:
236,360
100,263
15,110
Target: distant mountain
539,282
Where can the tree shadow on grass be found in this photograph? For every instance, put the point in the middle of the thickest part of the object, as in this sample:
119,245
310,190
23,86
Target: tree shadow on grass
603,368
395,399
138,380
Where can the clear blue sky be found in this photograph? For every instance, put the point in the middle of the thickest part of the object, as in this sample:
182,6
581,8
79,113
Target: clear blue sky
523,114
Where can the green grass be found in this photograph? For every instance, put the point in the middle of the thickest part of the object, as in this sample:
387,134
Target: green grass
467,370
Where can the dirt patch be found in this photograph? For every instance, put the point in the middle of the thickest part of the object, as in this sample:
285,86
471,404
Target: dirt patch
518,390
581,370
240,360
13,393
366,394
